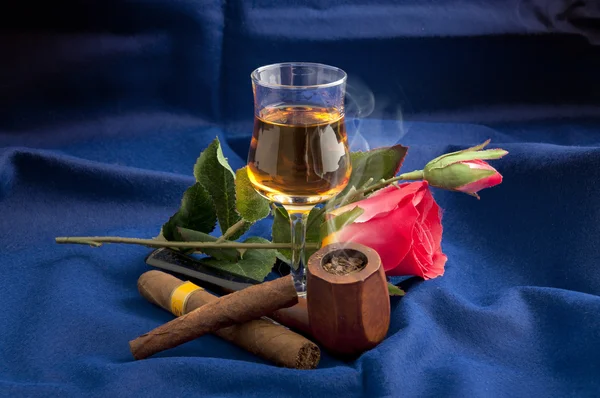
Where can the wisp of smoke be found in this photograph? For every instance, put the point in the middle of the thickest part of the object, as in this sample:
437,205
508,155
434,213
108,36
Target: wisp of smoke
371,121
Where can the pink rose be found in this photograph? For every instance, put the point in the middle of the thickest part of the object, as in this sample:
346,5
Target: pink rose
464,171
403,224
486,181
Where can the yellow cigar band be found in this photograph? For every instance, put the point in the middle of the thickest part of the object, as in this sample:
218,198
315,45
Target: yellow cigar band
180,296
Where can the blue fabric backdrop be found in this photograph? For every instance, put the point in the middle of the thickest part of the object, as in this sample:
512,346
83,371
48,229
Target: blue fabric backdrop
104,107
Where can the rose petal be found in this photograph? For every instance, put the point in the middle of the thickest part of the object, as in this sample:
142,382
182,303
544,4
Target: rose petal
478,164
432,219
410,265
374,205
389,236
407,188
382,202
426,239
422,257
403,224
437,267
425,258
483,183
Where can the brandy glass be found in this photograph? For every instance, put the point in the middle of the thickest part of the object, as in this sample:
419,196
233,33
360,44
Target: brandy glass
299,151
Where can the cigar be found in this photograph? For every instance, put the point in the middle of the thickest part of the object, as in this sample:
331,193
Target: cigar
239,307
261,337
223,282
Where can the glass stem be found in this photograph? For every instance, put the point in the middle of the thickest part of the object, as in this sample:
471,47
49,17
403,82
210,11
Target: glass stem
298,265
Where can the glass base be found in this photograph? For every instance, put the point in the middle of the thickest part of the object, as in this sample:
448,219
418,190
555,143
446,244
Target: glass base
300,286
298,216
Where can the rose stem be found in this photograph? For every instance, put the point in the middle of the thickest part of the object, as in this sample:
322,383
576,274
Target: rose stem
413,175
99,240
231,230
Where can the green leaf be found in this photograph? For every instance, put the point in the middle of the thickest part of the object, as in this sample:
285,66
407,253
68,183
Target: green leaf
380,163
214,173
340,221
283,258
488,154
313,235
471,149
281,231
255,264
394,290
474,152
479,146
188,235
249,203
211,153
196,212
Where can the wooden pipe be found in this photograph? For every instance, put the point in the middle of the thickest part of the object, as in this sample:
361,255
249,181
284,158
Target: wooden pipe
356,293
295,317
348,314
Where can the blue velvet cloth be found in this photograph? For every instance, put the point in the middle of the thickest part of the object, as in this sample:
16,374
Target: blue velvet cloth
104,107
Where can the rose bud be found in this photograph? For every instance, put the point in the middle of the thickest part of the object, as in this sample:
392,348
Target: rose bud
403,224
465,170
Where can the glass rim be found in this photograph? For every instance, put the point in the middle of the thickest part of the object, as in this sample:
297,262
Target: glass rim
256,80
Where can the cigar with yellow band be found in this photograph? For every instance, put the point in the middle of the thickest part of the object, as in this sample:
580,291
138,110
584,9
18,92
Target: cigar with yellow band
261,337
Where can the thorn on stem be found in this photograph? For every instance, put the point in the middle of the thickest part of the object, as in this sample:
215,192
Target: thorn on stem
92,243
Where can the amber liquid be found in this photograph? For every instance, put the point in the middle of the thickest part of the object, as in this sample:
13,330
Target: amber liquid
299,154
